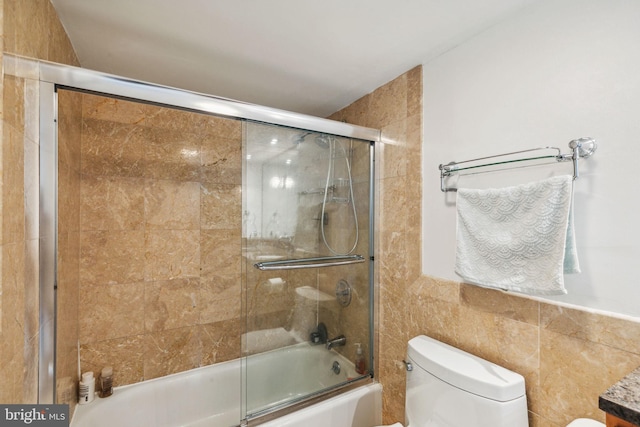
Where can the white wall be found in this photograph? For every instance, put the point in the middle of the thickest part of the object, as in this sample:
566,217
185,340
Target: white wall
559,70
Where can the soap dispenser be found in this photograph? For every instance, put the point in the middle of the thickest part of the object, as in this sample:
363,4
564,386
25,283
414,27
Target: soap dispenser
360,363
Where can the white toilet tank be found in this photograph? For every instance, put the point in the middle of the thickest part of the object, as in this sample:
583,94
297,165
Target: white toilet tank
451,388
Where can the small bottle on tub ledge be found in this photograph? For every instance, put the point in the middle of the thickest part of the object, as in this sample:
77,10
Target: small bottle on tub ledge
106,382
87,389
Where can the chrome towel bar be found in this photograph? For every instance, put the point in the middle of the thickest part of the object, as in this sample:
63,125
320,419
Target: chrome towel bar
293,264
580,148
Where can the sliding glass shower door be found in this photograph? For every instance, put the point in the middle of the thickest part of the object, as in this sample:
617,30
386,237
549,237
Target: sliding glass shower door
306,264
178,230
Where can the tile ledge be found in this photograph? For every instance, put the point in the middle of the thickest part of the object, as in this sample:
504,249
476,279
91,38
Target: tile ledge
598,311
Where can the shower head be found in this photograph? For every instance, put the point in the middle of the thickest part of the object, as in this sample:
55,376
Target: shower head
322,140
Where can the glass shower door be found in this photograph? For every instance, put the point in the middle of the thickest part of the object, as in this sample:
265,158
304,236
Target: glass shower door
148,240
306,266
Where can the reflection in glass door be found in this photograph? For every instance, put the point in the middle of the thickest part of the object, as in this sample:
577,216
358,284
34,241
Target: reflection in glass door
306,248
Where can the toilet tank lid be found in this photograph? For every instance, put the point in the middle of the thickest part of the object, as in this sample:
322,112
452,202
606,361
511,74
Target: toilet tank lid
464,370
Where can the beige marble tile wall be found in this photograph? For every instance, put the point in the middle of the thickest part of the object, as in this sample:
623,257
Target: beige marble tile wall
567,356
160,240
32,29
29,28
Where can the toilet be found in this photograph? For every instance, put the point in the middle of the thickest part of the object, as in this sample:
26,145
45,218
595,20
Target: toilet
447,387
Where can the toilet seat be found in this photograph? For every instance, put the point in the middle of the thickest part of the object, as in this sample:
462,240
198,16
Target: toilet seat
585,422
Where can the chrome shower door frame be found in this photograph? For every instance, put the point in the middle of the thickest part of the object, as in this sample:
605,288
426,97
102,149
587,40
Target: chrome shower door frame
52,76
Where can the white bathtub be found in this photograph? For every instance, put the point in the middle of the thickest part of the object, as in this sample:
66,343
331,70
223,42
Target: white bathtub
211,396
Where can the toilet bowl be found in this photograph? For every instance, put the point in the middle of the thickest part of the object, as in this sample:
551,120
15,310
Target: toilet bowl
449,387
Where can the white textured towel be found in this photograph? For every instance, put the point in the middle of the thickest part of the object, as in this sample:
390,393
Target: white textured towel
517,238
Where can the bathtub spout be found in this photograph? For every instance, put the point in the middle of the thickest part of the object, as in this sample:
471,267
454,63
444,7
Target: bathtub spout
338,341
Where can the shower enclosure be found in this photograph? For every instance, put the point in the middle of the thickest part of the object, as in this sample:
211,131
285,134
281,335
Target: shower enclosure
180,230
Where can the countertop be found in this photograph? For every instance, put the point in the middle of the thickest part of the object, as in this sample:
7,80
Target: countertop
623,398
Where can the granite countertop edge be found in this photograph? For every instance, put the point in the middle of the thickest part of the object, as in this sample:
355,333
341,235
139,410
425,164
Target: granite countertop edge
623,398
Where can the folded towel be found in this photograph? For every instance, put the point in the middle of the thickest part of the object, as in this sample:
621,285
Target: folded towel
518,238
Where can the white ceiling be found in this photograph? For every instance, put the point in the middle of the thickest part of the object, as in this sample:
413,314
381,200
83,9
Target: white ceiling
311,57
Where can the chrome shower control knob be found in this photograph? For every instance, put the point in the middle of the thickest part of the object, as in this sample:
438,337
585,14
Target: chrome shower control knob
343,293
